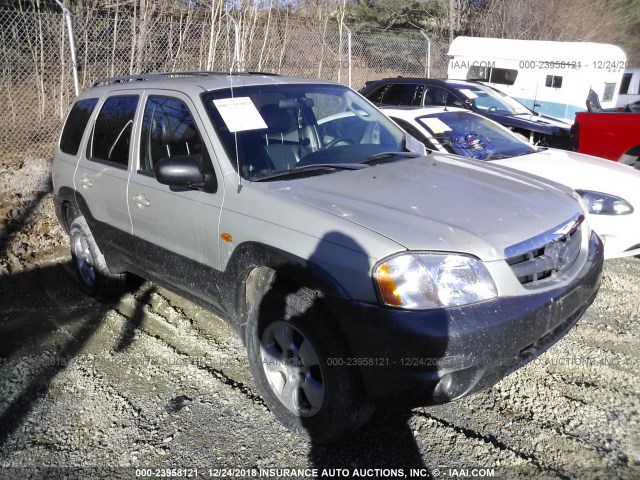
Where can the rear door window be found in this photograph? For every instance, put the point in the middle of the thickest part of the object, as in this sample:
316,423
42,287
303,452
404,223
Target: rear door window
112,131
399,94
76,124
441,97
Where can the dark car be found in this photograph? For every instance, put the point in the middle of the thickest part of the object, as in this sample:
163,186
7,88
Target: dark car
487,101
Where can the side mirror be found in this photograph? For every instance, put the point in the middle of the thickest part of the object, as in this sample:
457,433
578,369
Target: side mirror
184,171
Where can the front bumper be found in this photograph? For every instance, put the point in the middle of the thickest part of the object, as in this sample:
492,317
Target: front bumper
430,357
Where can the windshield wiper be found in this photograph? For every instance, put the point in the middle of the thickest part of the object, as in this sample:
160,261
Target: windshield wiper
386,155
312,168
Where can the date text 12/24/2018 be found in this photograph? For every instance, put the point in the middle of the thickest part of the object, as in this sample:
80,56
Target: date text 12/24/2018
572,64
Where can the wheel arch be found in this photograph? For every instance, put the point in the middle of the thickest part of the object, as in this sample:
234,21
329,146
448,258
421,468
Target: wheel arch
256,267
70,204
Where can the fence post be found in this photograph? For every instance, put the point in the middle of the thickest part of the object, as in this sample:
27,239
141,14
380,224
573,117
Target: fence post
348,51
72,46
428,53
236,29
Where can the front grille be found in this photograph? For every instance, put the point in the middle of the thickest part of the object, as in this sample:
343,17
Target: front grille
547,255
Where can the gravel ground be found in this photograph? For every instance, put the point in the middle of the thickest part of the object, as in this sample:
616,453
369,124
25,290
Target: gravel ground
96,390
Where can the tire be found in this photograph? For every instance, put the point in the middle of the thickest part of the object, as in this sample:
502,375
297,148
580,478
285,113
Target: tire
94,277
294,353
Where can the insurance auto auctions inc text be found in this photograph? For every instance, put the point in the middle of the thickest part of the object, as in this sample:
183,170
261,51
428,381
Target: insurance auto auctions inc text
352,473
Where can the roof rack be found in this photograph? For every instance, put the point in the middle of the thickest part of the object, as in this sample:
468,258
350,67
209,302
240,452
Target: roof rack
143,77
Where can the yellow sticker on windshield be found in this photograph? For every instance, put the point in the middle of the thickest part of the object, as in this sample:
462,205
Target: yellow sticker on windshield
468,93
436,125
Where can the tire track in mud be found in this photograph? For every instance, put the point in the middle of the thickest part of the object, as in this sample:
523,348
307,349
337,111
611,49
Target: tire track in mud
186,342
492,442
172,373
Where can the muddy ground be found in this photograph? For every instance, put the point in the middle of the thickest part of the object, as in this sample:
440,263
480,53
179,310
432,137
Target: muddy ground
152,381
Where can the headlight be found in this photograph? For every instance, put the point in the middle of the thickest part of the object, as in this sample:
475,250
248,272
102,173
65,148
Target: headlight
604,204
417,281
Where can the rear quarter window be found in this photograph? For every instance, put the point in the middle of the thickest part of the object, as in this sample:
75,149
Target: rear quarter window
76,124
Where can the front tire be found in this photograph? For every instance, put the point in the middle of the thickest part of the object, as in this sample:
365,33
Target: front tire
94,277
300,364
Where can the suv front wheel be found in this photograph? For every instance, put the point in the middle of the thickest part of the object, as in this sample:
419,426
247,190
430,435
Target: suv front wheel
301,367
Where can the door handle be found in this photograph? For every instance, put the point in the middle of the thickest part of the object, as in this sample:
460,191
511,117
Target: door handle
86,182
141,200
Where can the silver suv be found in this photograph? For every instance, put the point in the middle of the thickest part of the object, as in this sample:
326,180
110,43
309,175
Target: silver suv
356,271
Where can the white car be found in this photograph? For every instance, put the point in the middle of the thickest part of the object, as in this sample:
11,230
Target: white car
611,191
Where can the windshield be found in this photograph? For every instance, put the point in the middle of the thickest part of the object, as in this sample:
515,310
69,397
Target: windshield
471,135
488,100
271,129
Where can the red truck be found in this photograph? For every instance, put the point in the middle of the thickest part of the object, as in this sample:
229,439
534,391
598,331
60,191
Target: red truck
612,135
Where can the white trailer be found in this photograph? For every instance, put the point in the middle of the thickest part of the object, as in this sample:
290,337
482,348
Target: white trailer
630,87
552,78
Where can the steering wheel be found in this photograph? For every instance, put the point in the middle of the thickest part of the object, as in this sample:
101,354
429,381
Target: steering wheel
335,141
492,109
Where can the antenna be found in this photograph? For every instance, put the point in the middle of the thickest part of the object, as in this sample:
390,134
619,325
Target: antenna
236,29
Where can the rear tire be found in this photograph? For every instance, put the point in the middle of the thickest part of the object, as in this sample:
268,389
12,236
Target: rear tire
299,362
94,277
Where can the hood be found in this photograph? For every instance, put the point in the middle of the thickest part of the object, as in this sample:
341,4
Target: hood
581,172
438,202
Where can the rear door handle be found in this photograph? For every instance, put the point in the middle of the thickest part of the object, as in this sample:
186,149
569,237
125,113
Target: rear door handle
141,200
86,182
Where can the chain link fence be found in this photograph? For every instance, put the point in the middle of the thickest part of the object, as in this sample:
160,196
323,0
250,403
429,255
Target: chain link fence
36,85
377,56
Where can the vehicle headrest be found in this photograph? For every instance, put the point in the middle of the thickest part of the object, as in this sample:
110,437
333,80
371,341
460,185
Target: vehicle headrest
277,119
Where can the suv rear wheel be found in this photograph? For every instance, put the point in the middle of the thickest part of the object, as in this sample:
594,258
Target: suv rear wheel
300,365
93,274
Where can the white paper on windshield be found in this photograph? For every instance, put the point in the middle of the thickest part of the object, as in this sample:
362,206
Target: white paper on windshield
239,114
436,125
468,93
